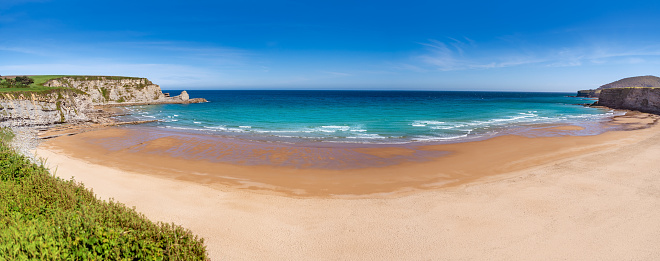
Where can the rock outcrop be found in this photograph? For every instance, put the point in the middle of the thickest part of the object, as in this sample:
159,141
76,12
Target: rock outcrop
73,99
588,93
637,81
43,109
638,99
108,89
121,91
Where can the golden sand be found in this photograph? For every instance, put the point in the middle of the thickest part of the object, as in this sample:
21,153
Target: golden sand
506,198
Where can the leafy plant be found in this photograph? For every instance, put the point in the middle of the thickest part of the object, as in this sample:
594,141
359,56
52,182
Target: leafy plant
6,135
105,93
47,218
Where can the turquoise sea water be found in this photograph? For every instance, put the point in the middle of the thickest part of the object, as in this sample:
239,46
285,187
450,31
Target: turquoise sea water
367,116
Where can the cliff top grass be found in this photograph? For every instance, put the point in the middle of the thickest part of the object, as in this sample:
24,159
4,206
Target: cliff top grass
37,86
39,80
47,218
92,78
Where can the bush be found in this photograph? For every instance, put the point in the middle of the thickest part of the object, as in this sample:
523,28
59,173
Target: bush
45,217
24,80
17,82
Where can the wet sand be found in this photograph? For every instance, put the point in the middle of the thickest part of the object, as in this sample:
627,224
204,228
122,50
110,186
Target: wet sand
510,197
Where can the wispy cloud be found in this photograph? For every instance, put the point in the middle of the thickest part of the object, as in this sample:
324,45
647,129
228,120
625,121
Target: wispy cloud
454,55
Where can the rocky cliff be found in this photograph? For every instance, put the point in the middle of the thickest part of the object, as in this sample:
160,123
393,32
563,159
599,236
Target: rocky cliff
588,93
638,99
73,99
637,81
109,89
41,109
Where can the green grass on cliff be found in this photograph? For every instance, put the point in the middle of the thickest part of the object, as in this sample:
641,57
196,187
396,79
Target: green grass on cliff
46,218
37,86
91,78
39,80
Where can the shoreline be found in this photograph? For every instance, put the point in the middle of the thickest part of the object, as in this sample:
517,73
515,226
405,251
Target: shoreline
577,206
331,171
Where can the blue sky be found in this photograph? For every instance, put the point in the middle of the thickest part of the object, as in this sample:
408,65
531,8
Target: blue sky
404,45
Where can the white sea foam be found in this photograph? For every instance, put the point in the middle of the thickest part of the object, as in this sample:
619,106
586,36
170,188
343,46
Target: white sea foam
431,138
417,130
333,128
367,136
424,123
221,127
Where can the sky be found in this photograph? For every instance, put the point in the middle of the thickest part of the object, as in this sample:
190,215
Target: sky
559,46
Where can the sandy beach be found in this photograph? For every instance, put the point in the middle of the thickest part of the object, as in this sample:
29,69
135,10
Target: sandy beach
507,198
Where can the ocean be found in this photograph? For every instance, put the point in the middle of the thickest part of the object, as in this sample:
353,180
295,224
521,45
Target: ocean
378,117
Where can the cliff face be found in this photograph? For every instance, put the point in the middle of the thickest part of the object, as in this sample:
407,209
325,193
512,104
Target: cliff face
639,99
75,98
111,90
39,109
588,93
637,81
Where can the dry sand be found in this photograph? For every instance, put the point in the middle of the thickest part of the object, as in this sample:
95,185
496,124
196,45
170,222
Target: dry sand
575,198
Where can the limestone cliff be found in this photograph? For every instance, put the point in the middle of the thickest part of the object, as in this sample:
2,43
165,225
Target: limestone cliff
73,99
110,89
638,99
40,109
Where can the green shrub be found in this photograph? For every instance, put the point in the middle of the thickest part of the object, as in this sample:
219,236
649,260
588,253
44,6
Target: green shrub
105,93
45,217
6,135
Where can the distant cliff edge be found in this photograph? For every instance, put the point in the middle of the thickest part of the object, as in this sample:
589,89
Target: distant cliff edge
116,90
72,99
638,81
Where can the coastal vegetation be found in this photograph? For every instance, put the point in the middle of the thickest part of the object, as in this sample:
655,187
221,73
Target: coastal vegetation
35,83
17,82
45,217
28,84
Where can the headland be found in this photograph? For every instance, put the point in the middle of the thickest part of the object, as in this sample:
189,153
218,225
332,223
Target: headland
70,104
